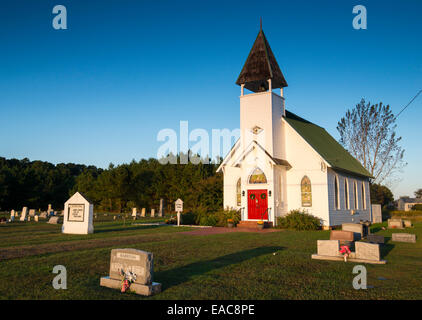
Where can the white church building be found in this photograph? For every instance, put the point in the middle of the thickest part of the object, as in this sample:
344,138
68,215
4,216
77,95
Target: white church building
283,162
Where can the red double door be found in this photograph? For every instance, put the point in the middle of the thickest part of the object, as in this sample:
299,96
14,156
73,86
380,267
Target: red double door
257,204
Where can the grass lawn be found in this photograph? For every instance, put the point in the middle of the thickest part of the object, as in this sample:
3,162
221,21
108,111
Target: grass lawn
221,266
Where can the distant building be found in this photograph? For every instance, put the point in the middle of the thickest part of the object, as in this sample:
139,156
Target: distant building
406,203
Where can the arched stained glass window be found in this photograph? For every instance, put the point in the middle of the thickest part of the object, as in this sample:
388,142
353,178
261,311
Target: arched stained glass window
346,193
363,196
336,193
238,193
355,194
306,192
257,176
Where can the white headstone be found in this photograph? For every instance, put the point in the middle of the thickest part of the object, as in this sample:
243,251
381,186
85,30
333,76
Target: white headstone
328,248
376,213
152,213
32,212
143,212
36,218
134,212
367,251
24,213
161,211
53,220
78,215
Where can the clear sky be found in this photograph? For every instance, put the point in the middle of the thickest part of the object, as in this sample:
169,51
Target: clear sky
100,91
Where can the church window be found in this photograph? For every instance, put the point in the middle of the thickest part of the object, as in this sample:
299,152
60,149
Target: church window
336,193
257,176
355,193
363,196
306,192
238,193
346,193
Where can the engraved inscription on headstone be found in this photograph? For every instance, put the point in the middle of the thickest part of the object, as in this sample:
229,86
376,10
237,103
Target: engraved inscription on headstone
76,212
367,251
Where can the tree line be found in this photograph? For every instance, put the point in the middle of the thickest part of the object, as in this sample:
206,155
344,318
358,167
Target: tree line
119,188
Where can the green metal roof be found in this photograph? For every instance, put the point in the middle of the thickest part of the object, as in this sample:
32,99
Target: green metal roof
326,146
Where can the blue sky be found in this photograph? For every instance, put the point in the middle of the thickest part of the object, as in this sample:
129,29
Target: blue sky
100,91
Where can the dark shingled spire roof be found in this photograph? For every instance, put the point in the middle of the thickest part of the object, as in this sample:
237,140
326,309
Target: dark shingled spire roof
260,66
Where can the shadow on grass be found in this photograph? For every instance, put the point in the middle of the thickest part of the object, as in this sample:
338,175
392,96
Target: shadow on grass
174,277
124,228
386,247
376,229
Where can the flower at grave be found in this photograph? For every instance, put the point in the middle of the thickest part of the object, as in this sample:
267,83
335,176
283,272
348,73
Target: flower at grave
127,279
345,251
229,220
260,222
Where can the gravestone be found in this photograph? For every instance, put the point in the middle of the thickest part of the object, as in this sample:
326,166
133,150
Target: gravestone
24,213
28,218
139,263
367,251
12,215
78,215
404,237
329,248
53,220
376,213
43,215
143,212
134,212
152,213
407,223
356,228
341,235
36,218
161,211
373,238
32,212
346,238
395,223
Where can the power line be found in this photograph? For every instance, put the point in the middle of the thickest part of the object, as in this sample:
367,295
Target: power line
409,103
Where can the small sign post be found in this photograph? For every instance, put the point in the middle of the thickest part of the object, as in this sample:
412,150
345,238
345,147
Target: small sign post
178,208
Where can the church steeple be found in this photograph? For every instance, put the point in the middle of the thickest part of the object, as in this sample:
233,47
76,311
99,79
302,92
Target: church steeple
261,71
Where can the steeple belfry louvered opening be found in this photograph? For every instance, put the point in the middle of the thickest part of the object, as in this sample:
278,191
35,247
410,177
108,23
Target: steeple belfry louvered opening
261,69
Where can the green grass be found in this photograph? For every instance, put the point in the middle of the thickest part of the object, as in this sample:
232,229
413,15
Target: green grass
220,266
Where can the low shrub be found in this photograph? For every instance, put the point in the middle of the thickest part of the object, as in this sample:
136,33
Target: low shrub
203,217
417,207
299,220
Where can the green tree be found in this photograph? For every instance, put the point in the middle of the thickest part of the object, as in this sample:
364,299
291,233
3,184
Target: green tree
418,193
381,195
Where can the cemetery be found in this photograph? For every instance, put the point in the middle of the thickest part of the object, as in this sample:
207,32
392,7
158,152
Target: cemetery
166,261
